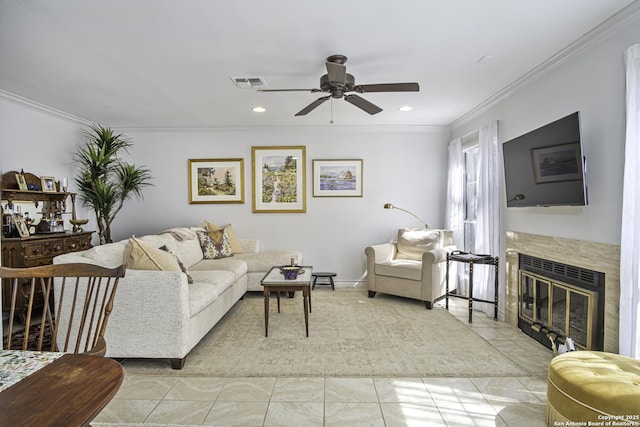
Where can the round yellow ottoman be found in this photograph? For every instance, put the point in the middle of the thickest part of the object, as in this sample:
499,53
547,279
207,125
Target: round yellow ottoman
594,388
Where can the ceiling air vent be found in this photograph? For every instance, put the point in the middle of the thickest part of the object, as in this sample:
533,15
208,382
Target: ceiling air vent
249,82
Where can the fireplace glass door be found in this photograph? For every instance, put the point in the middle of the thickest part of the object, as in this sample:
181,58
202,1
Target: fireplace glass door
561,308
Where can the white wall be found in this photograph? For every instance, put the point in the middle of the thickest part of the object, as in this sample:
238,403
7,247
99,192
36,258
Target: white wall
404,166
591,82
38,142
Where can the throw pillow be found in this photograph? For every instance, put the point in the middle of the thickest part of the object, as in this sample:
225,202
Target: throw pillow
215,244
412,243
234,241
139,255
180,263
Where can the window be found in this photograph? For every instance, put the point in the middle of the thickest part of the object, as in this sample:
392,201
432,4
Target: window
470,152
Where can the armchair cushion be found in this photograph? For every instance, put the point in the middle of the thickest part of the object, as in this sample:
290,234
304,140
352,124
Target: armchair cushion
403,268
413,267
413,242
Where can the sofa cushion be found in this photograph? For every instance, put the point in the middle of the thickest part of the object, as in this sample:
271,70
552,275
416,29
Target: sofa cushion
412,243
263,261
236,266
207,286
250,245
201,295
110,254
214,244
402,268
188,248
139,255
234,241
157,240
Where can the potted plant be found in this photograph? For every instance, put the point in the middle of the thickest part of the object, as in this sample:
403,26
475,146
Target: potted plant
104,179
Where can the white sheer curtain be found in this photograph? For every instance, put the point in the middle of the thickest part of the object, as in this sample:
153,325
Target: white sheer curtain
454,211
489,216
630,242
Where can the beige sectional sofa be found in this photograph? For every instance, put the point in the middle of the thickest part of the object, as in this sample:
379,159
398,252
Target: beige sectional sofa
157,313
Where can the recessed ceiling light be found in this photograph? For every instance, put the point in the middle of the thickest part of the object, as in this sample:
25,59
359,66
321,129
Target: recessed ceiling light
406,108
258,109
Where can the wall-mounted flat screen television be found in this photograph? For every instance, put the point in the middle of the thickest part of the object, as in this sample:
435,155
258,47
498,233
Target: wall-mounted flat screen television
546,167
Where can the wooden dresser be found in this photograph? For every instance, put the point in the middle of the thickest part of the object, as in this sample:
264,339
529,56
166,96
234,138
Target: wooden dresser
40,249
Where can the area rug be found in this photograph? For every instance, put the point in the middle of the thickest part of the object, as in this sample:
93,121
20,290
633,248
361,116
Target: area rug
17,338
349,335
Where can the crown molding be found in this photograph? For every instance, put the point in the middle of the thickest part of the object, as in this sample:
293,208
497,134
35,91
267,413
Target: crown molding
614,23
42,108
318,129
315,129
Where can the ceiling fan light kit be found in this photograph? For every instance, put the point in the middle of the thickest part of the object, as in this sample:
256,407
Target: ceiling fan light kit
339,84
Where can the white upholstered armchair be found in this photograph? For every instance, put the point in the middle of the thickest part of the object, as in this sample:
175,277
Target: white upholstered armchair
414,266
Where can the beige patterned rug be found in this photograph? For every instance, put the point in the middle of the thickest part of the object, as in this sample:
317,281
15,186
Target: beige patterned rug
349,335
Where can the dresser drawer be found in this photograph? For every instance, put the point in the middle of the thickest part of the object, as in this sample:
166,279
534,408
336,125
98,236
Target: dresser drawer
79,243
47,248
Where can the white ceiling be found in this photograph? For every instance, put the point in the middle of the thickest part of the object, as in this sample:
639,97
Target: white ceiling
168,63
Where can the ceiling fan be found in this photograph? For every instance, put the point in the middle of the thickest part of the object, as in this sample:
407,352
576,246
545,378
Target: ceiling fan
338,84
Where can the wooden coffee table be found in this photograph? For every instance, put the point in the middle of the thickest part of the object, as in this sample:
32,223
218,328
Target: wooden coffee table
274,281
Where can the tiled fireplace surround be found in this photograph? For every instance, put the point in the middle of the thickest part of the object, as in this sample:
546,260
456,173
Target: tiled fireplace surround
591,255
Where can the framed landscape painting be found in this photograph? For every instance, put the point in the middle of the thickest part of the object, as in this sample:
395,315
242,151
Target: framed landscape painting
279,179
337,178
216,181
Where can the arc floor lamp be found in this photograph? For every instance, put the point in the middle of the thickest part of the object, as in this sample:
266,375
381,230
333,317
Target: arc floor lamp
390,206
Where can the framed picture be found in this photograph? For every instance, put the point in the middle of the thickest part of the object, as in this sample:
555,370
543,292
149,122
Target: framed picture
557,163
279,179
22,184
48,184
21,226
337,178
216,181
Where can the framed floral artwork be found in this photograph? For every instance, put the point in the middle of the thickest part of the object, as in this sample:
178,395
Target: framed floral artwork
337,178
216,181
279,179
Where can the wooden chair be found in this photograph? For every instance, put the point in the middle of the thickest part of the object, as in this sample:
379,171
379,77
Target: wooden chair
77,302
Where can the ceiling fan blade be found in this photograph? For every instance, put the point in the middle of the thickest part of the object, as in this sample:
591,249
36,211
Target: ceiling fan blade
388,87
312,106
362,104
337,73
289,90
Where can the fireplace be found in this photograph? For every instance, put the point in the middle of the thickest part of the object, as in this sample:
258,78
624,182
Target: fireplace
557,300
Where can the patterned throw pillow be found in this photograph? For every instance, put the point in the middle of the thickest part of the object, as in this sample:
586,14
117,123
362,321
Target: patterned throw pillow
215,244
234,241
180,263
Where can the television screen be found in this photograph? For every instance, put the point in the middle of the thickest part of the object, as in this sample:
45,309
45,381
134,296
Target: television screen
545,167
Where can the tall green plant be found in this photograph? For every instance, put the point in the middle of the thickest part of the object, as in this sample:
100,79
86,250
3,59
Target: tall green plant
104,180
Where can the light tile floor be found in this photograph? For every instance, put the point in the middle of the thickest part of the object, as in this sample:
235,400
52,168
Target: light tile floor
311,401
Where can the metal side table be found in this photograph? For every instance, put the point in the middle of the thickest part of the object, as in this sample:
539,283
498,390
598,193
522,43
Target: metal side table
471,259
